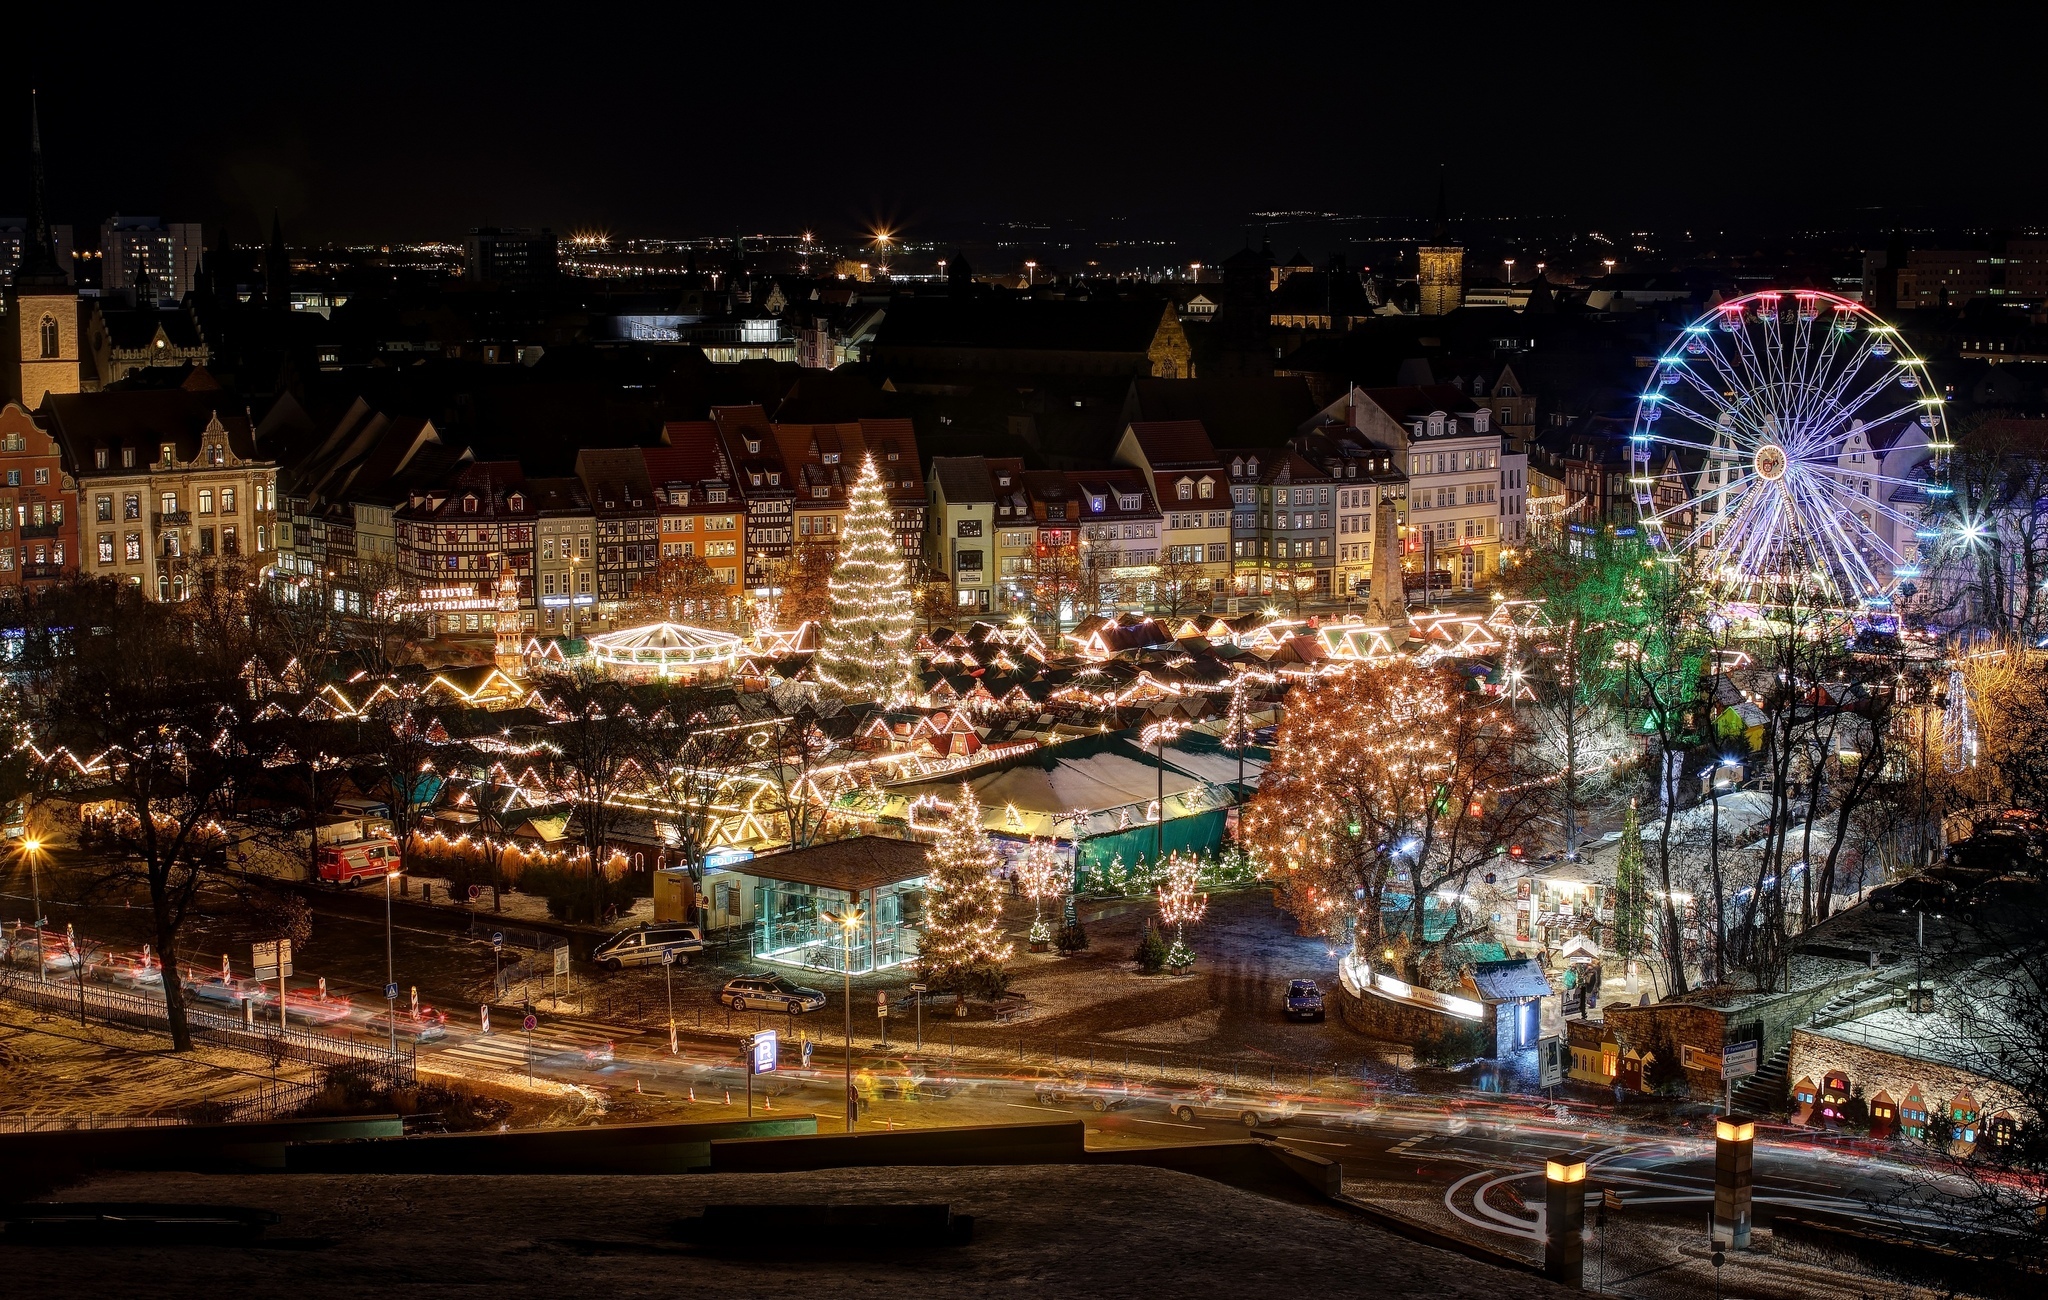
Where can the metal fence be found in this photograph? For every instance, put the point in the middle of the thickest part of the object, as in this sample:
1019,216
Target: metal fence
483,925
144,1012
26,1123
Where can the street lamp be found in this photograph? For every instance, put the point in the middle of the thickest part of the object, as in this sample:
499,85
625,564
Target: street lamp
1030,274
30,848
1156,736
390,968
848,922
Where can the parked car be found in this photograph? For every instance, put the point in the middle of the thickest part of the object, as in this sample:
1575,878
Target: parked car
1247,1108
1922,893
768,991
1304,1000
228,990
1995,894
644,944
424,1027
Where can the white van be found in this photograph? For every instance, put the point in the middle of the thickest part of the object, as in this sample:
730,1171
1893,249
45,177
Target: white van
644,943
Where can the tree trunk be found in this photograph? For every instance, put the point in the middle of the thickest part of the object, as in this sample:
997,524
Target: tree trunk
174,991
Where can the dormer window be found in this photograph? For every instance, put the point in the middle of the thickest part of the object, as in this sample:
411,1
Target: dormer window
821,492
1206,489
1129,502
1436,423
679,497
1002,480
830,458
515,503
774,479
753,446
1482,420
1251,467
1185,489
1237,468
1096,503
469,503
168,453
716,496
99,458
755,475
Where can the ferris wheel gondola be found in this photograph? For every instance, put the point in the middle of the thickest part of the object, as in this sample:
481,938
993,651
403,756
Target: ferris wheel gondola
1789,440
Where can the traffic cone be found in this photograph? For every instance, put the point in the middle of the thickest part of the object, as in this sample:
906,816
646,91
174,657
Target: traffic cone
728,1096
767,1101
636,1087
693,1094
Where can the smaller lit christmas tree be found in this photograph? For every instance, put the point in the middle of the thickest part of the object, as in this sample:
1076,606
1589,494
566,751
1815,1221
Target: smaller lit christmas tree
1180,906
962,944
1038,873
871,629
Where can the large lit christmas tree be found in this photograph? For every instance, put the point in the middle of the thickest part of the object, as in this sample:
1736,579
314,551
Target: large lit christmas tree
871,629
961,944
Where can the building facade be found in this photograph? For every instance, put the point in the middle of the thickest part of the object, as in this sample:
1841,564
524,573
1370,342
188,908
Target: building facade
154,260
1187,482
38,506
960,527
455,540
628,523
171,484
564,556
1283,524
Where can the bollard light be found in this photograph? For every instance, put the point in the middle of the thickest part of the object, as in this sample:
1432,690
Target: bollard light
1734,1169
1564,1222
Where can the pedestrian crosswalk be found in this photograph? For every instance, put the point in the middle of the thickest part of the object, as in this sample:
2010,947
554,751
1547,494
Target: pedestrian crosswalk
560,1041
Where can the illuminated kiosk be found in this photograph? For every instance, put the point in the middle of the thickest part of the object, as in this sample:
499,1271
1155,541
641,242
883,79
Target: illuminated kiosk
666,652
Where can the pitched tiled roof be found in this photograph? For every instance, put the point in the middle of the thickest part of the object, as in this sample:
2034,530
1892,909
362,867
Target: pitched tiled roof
963,480
1174,444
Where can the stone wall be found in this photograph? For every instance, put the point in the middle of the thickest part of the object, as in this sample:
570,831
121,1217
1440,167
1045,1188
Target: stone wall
1875,1070
1668,1028
1400,1022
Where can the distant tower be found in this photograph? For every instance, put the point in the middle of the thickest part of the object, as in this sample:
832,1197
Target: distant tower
1387,604
510,658
44,337
1440,264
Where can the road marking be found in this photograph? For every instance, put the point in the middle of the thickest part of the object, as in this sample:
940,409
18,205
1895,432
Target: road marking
1403,1148
1288,1137
1022,1106
1166,1122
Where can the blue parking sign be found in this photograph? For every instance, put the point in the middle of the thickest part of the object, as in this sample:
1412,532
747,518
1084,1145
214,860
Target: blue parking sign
762,1049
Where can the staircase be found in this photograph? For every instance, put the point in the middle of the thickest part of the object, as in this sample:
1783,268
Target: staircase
1763,1093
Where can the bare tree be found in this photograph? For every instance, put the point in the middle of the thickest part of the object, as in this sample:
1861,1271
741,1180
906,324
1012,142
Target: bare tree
692,751
1182,584
1989,566
157,694
598,744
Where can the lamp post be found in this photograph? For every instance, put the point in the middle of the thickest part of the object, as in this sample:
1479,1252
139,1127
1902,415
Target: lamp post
848,922
1156,736
390,968
30,849
1734,1161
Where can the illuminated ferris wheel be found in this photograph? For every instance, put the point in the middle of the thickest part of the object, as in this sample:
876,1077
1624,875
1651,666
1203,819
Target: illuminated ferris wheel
1790,440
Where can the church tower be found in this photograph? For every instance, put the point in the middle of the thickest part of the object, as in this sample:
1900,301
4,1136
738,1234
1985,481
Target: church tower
43,308
1440,264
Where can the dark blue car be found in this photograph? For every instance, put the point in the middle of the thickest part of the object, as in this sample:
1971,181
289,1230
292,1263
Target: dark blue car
1304,1000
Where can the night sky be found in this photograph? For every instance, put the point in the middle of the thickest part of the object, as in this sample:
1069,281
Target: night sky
367,123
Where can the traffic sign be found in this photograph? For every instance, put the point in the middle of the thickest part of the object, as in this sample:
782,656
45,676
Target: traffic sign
497,939
882,1003
1611,1199
1549,1062
562,960
391,993
668,955
1739,1060
271,960
917,988
529,1023
761,1052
